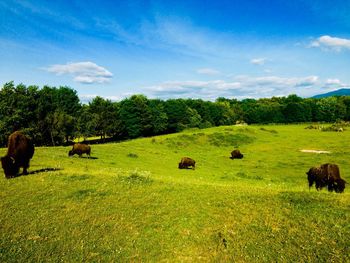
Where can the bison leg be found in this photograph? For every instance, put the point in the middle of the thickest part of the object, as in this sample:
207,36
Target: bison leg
25,167
318,187
25,172
330,187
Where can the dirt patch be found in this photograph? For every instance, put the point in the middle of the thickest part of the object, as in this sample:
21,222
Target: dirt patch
314,151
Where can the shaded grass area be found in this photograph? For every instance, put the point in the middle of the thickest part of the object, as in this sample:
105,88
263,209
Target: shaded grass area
125,208
218,139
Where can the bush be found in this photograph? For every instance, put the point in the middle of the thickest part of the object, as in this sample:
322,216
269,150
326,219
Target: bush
137,177
132,155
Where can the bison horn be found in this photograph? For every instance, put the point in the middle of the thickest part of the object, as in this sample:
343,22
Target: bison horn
13,159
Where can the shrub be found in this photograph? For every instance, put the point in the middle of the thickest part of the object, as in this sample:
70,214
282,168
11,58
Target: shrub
132,155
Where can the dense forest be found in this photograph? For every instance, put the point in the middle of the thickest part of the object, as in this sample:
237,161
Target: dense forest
55,116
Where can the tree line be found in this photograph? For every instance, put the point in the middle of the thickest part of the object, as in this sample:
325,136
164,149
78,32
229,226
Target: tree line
55,116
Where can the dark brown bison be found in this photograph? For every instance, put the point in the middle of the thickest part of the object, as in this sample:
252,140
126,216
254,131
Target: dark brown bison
236,154
326,175
19,152
80,148
186,162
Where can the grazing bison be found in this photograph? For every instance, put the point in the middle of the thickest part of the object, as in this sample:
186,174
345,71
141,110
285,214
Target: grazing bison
80,148
326,175
236,154
19,152
186,162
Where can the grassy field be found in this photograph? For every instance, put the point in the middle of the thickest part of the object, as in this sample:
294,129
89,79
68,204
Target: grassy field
132,203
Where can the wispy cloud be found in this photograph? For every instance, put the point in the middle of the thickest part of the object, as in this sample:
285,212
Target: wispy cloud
333,81
191,89
208,71
336,83
333,43
239,87
82,72
258,61
173,35
278,82
27,10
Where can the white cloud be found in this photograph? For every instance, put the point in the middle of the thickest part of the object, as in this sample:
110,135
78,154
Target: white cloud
86,98
258,61
239,87
82,72
277,82
208,71
333,43
333,81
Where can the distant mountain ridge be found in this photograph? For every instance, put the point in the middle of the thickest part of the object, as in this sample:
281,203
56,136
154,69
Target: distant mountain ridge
339,92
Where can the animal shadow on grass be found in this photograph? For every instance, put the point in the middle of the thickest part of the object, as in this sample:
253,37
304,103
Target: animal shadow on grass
187,168
87,157
43,170
307,200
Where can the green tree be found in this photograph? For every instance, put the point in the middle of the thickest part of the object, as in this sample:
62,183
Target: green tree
228,115
85,123
136,116
329,110
17,109
56,113
103,116
251,111
67,100
159,119
345,100
180,116
61,127
297,112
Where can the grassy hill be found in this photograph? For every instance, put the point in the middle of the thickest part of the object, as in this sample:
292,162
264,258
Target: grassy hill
132,203
339,92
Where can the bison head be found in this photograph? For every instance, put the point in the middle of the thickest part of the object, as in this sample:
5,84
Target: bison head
339,185
311,175
181,166
70,153
9,165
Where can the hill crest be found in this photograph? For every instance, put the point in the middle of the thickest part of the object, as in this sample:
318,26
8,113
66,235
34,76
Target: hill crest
339,92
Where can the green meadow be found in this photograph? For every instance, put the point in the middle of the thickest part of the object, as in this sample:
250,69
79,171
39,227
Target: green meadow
132,203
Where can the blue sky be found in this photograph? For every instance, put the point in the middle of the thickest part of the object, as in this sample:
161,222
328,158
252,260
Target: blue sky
171,49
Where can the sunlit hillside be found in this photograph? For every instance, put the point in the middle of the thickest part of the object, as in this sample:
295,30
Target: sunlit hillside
130,202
